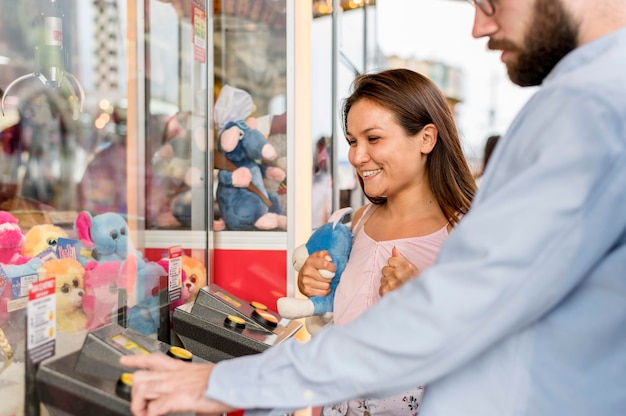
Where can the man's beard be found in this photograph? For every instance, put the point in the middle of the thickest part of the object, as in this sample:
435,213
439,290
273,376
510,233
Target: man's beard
551,35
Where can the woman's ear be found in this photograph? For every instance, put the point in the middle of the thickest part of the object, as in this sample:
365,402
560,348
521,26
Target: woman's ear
429,138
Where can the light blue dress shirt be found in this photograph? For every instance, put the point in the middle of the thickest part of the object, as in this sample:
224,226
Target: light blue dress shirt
525,311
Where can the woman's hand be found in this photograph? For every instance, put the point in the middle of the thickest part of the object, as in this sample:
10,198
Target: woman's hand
167,385
310,281
397,272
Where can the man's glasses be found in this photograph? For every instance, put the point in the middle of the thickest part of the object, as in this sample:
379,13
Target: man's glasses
486,6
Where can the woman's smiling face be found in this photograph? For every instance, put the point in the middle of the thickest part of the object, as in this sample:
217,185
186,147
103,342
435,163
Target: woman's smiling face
384,156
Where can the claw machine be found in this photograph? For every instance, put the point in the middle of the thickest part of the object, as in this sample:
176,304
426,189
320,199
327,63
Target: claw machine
114,184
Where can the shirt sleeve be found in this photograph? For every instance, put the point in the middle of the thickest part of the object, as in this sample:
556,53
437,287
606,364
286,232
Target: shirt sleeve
552,188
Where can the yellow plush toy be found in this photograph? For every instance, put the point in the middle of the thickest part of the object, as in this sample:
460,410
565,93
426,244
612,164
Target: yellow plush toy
69,292
195,276
40,237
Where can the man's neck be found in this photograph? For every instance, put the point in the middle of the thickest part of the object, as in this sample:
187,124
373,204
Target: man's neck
599,18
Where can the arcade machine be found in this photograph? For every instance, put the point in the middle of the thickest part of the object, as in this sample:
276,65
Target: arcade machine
219,325
91,381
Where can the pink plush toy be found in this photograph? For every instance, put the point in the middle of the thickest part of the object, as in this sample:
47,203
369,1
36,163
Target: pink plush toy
101,292
12,240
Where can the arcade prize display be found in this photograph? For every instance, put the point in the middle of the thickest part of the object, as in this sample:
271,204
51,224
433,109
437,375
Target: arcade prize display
112,238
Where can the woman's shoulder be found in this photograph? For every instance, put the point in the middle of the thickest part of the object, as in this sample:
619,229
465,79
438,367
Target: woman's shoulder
359,213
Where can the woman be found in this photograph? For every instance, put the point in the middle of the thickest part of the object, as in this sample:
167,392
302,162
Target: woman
406,152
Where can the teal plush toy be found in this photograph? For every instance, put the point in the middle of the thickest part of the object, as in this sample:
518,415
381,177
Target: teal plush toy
106,235
334,237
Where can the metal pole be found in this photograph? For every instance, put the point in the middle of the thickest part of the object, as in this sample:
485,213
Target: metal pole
336,128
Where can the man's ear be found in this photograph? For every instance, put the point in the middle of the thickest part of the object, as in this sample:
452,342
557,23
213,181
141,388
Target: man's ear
429,138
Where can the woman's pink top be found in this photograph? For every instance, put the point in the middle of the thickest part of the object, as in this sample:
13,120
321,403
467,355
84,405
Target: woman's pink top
358,290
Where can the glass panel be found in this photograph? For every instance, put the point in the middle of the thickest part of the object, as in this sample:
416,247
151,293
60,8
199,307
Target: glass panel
322,123
176,94
103,136
250,56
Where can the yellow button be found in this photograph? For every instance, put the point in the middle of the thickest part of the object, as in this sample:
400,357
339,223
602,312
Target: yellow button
236,319
265,318
180,353
235,322
258,305
127,379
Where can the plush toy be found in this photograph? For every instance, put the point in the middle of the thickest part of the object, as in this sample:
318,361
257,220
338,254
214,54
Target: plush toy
40,237
243,201
11,240
100,301
69,274
174,173
334,237
141,280
7,273
106,235
278,139
196,277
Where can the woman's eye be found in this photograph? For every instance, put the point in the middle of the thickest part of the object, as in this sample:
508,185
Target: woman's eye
372,139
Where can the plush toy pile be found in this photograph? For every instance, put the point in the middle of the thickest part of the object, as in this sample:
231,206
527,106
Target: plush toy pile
93,272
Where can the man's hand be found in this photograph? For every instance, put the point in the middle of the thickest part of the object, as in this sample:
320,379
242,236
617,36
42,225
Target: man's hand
310,281
397,272
165,385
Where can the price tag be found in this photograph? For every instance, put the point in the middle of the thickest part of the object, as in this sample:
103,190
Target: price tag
175,273
41,321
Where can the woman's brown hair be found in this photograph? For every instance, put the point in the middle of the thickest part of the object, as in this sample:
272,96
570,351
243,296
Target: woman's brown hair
415,102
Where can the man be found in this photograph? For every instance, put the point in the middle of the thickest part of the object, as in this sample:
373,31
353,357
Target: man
525,311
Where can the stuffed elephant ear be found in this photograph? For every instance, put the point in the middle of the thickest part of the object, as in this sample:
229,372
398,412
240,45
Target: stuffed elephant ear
233,104
337,216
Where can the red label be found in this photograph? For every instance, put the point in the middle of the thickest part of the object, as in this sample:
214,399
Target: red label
41,289
176,251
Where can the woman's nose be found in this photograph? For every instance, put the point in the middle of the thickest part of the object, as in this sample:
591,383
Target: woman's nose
358,155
